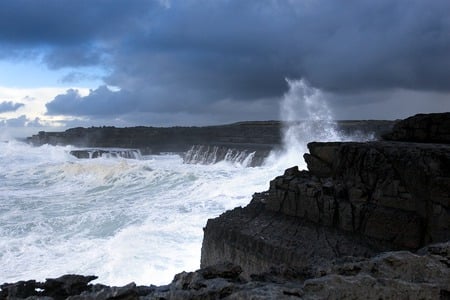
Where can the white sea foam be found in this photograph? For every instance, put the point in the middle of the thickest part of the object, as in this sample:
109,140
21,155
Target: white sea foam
123,220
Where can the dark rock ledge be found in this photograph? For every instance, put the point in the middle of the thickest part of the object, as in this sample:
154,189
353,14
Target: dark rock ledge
366,221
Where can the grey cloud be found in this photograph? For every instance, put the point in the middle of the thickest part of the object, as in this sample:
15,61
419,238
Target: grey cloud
15,122
245,50
9,106
56,22
196,55
101,101
75,77
391,104
74,56
67,33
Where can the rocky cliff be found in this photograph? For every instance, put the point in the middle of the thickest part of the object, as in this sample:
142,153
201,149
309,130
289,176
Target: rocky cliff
355,199
174,139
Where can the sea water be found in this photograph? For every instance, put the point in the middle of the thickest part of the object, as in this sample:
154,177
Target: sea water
131,220
121,219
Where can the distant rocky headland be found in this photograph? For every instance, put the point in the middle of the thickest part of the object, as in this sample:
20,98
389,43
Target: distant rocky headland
368,220
211,143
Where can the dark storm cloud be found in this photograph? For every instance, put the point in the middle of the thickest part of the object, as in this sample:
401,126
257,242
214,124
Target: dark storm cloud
61,22
9,106
69,33
192,56
245,49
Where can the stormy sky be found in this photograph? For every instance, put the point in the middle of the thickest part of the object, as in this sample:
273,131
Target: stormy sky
198,62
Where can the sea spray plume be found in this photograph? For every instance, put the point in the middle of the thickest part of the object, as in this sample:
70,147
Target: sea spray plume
306,117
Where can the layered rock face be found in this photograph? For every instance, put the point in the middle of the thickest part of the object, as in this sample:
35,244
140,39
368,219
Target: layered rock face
394,192
356,199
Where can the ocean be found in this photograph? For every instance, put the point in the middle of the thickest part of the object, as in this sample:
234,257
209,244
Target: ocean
135,220
121,219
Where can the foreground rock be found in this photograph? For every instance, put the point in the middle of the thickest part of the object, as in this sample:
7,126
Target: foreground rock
390,275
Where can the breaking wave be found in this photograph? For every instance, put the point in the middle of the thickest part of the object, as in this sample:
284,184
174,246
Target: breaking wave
306,118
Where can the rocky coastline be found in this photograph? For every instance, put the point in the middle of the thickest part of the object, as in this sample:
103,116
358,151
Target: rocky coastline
365,221
214,142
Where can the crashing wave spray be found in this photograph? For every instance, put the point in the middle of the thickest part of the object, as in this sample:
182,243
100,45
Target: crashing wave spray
306,118
206,155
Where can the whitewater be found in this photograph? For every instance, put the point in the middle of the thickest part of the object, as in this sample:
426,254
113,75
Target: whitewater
121,219
130,220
